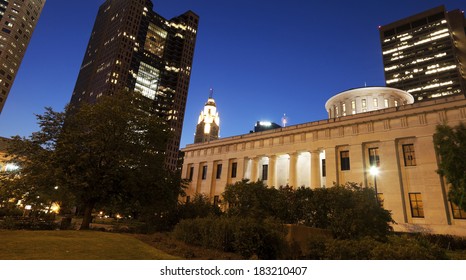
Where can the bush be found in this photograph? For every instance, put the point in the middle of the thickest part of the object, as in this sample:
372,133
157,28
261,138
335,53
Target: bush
405,248
396,248
10,212
447,242
247,237
28,224
349,211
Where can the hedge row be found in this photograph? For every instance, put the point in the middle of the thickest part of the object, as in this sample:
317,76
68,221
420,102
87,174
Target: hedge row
395,248
247,237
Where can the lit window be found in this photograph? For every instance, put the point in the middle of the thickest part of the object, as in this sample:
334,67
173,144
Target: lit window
376,103
155,40
385,102
353,107
417,207
147,80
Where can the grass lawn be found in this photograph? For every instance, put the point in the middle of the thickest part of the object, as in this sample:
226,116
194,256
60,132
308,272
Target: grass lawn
75,245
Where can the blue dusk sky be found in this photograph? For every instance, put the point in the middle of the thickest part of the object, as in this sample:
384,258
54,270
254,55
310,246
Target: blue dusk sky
263,58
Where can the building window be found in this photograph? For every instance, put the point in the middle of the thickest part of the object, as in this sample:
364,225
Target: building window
458,213
191,173
364,103
219,171
376,103
374,159
344,160
408,155
385,102
417,208
343,106
147,80
234,167
396,103
324,169
353,107
265,172
204,172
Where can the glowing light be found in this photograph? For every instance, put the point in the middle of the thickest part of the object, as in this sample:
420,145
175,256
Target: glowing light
264,123
55,208
374,171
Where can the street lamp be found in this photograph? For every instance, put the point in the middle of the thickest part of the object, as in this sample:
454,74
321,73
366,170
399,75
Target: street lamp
374,172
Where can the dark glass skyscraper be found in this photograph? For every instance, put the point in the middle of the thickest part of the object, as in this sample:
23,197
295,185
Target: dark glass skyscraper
425,54
17,22
133,48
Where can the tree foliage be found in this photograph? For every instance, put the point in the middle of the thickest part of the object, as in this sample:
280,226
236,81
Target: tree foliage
450,144
349,211
107,154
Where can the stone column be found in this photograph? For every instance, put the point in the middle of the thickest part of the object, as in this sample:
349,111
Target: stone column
240,172
272,167
292,180
254,169
315,169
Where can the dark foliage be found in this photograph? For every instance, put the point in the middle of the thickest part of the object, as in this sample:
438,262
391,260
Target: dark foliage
450,145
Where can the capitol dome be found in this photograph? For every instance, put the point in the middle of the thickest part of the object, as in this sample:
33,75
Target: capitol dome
366,99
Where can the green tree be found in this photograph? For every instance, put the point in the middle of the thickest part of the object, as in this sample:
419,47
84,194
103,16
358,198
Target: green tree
450,145
250,199
102,154
354,213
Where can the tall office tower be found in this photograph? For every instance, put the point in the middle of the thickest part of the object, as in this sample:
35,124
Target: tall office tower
17,22
133,48
208,125
425,54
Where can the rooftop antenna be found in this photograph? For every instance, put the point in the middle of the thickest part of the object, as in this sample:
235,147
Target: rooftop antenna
211,93
284,120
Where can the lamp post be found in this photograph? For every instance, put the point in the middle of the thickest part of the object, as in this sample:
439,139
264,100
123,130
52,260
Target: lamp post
374,172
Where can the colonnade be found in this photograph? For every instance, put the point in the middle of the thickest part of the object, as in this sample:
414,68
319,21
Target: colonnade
294,169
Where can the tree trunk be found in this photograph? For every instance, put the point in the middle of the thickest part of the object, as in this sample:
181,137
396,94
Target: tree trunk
87,218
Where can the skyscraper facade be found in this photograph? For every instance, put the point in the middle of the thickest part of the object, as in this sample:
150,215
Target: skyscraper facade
17,22
133,48
208,125
425,54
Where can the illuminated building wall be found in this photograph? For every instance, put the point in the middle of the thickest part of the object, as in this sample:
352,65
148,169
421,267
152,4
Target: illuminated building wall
133,48
17,22
396,140
425,54
208,125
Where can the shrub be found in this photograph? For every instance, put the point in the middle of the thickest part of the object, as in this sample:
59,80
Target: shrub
10,212
245,236
396,248
28,224
405,248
